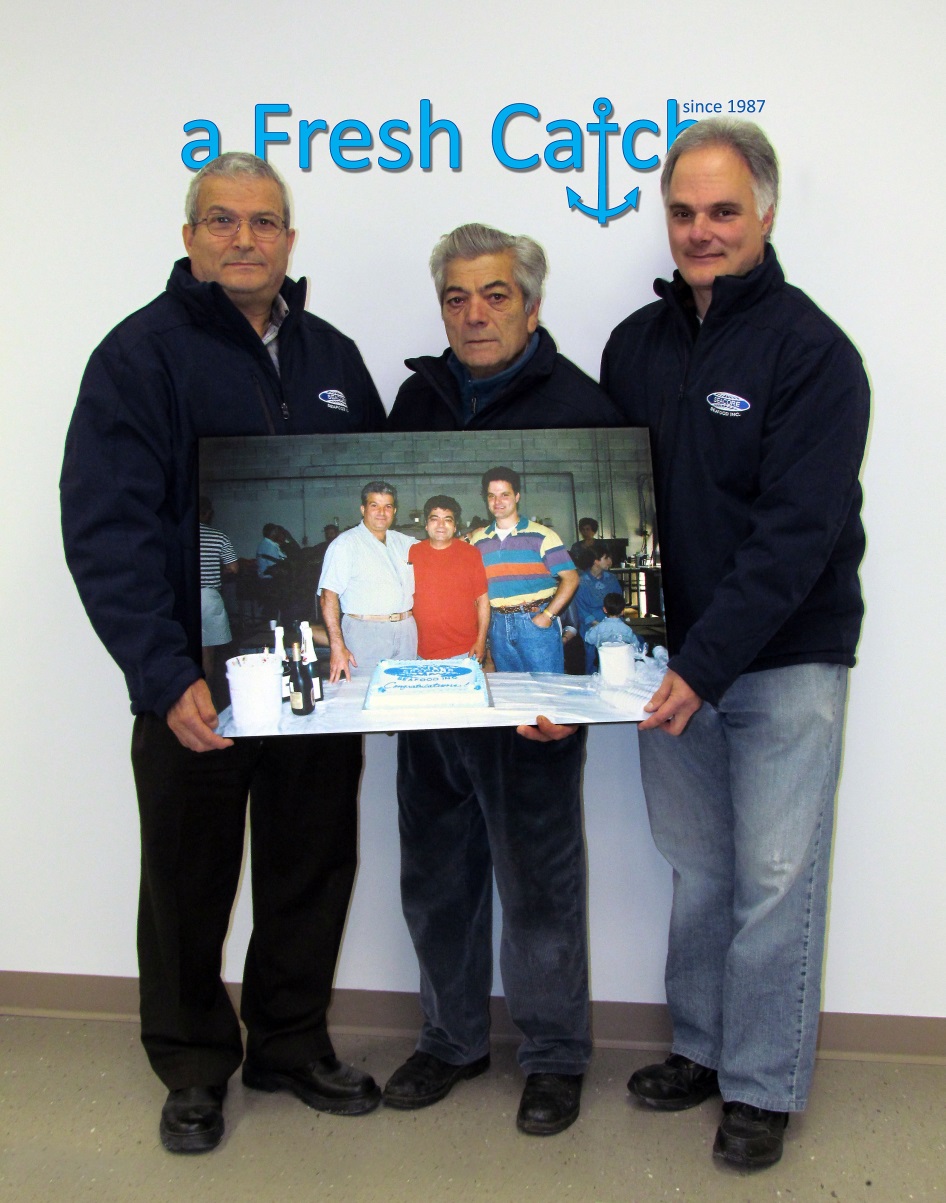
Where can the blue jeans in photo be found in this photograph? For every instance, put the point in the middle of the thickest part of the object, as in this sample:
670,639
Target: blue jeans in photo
742,806
519,646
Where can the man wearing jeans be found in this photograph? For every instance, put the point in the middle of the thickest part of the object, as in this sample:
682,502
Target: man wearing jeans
758,409
478,802
531,579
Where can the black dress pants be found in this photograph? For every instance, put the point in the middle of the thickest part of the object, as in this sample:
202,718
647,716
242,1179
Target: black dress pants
303,821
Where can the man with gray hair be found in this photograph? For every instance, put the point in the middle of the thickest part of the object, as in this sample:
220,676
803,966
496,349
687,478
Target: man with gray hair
227,349
472,803
758,408
489,285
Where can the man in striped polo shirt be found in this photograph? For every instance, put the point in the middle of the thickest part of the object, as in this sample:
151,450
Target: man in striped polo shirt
530,577
216,558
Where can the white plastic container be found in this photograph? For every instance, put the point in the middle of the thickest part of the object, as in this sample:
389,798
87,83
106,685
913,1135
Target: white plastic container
255,693
617,665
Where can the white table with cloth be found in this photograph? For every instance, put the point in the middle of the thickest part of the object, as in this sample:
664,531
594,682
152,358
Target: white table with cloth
517,698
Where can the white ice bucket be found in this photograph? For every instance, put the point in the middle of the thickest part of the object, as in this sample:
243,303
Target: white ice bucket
617,665
256,693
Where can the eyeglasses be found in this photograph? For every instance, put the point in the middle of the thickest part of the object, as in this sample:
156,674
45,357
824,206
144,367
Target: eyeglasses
227,225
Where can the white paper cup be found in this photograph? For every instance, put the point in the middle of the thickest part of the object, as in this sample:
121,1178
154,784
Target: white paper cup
255,693
617,665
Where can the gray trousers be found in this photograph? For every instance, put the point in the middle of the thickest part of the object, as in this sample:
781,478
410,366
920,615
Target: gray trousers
370,642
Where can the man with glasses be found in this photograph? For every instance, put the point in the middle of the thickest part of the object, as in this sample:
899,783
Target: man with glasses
227,349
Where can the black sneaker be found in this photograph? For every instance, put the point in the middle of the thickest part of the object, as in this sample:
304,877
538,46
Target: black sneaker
750,1137
192,1119
326,1084
550,1103
424,1079
674,1084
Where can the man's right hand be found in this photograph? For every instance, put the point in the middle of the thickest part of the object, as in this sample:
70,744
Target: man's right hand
340,663
672,706
341,657
193,720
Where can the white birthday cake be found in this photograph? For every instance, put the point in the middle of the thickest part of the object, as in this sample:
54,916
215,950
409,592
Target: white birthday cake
419,684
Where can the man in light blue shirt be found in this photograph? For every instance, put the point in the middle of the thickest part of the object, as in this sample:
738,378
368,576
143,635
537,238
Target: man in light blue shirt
367,588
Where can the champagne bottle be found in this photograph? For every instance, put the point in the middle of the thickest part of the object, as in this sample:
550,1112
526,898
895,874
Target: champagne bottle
300,685
309,658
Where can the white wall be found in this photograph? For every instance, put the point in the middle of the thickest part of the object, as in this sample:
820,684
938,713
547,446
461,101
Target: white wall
95,99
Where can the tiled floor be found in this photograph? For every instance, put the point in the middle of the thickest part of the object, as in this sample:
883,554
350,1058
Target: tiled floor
79,1114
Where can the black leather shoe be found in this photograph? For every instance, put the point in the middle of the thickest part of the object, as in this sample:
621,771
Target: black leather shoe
326,1085
550,1103
424,1079
674,1084
750,1137
192,1119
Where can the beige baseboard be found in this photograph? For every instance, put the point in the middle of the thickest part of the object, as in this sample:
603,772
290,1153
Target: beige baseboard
390,1013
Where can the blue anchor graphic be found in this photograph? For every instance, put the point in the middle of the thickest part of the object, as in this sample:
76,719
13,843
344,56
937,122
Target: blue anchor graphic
602,127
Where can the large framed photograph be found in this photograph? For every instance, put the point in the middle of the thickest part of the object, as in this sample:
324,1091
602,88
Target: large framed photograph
398,581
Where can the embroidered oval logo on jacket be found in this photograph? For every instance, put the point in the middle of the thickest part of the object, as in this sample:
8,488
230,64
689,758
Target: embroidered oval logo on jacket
727,403
334,399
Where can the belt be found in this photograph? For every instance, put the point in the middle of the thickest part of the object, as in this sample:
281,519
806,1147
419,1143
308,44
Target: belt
381,617
527,608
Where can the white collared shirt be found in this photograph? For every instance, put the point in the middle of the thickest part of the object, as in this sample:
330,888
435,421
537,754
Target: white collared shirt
277,315
370,577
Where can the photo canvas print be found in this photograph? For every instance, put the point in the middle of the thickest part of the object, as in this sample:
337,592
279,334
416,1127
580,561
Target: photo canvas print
397,581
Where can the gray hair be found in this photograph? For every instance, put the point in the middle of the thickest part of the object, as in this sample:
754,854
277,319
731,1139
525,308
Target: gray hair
747,140
473,240
379,486
234,163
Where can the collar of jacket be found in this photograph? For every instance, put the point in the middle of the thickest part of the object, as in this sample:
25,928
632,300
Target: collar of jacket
731,294
435,369
208,305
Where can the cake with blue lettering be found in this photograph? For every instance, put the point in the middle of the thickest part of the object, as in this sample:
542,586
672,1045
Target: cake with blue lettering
421,684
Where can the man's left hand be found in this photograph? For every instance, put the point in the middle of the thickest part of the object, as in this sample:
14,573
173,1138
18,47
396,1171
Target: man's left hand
545,731
672,706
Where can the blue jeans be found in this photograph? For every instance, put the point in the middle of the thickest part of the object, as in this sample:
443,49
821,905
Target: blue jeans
475,802
742,806
519,646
